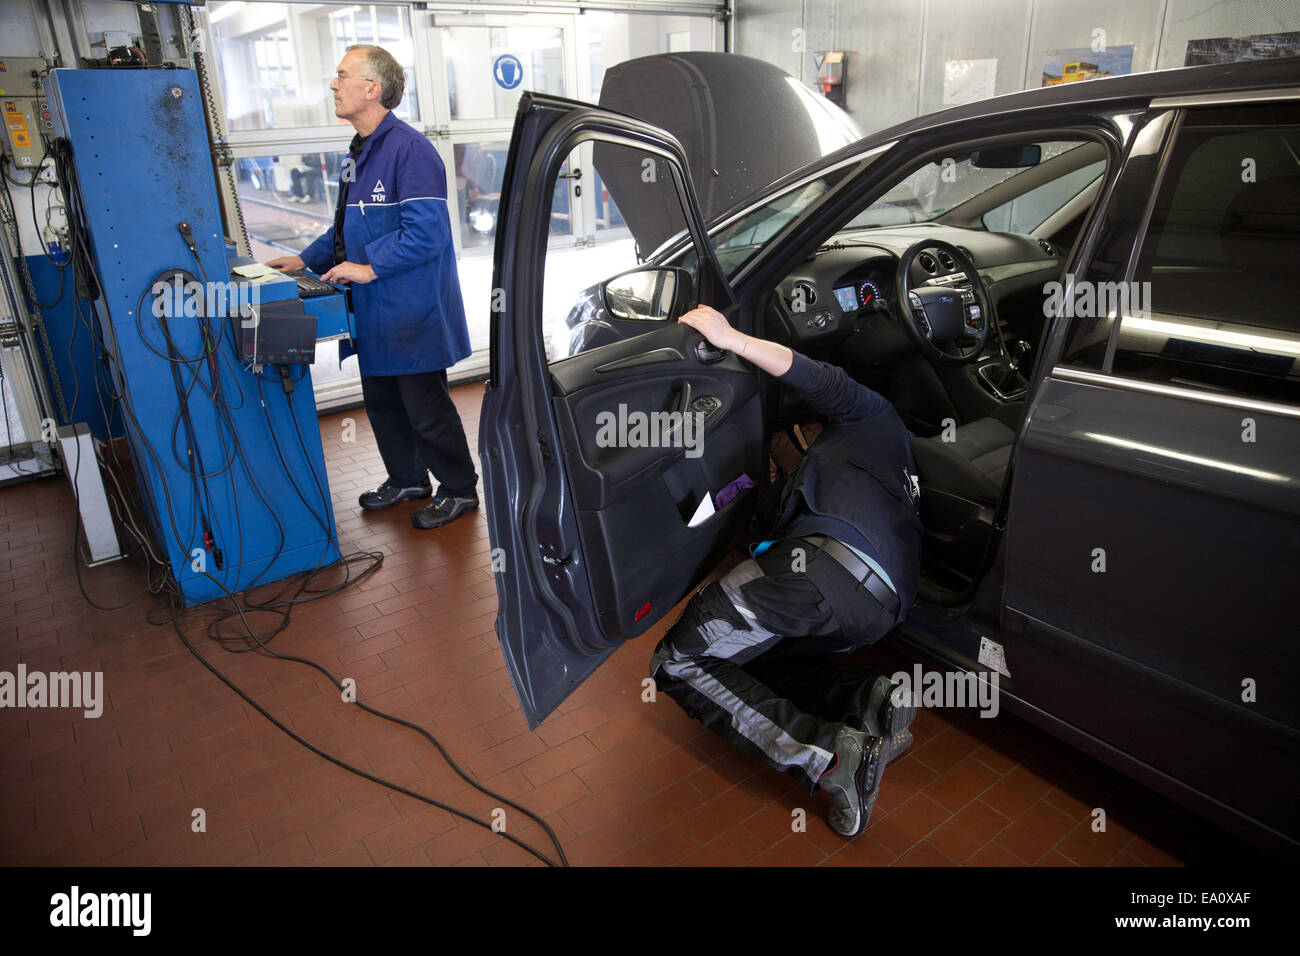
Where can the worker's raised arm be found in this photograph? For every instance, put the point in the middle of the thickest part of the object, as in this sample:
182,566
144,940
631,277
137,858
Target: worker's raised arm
827,388
771,357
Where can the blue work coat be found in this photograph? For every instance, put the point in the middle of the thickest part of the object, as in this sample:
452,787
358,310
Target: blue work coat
411,318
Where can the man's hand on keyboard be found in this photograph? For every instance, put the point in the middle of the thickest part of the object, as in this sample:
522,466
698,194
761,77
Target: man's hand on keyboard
288,264
346,272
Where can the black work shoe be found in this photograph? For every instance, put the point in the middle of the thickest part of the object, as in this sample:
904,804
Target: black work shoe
854,781
861,756
891,709
895,715
442,510
390,493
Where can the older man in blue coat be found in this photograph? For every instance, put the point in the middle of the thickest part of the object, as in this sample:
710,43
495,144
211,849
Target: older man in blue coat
391,242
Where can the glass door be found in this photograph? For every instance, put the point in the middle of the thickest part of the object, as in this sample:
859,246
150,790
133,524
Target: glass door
481,65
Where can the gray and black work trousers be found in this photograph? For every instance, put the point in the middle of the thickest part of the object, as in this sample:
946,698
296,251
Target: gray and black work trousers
748,657
418,431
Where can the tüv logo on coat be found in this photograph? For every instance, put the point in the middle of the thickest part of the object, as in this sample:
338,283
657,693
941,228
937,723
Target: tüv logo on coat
377,193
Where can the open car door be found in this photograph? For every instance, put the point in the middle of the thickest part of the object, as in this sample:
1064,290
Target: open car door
595,466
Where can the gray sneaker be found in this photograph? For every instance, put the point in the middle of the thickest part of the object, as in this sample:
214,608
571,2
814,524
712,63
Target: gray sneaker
854,783
861,757
893,716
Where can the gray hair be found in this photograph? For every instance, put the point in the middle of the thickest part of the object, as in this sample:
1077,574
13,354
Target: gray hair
381,65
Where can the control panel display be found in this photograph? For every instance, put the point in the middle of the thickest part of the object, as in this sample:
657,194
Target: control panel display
848,298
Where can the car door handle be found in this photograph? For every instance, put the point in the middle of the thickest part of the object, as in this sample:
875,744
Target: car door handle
707,354
684,389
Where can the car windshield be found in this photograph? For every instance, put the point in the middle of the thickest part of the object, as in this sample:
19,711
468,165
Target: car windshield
924,195
939,186
738,242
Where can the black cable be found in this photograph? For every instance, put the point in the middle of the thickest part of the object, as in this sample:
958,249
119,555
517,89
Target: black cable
18,232
36,224
332,759
366,774
264,647
201,490
304,592
76,558
81,256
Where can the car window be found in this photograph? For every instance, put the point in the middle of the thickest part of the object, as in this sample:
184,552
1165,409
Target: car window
739,241
603,292
1023,214
1211,304
936,187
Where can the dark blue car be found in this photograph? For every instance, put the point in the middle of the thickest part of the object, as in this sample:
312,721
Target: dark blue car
1081,301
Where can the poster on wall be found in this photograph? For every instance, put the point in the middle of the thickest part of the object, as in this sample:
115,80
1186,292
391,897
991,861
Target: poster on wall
1084,63
1261,46
967,81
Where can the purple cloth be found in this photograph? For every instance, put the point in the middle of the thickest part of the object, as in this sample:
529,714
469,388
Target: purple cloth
724,496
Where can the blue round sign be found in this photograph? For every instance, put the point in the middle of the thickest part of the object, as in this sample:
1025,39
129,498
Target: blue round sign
507,71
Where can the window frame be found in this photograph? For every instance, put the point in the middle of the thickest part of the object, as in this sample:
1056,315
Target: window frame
1167,152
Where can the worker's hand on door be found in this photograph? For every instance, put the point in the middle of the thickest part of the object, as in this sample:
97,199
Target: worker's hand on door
346,272
772,357
713,325
288,264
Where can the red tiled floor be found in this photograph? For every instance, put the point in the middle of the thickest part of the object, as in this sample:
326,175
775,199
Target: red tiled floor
619,780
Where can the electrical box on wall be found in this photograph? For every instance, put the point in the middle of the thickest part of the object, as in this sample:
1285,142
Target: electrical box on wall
830,75
26,113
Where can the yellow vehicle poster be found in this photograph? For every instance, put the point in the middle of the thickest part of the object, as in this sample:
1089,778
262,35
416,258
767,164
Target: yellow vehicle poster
1085,63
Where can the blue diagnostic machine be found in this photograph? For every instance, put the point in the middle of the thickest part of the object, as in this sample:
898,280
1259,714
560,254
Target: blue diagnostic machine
210,371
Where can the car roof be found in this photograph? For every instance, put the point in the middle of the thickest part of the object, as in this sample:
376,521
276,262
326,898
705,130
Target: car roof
1107,93
1184,81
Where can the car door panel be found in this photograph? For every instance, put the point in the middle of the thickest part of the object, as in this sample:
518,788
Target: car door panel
638,501
1188,604
590,546
1152,548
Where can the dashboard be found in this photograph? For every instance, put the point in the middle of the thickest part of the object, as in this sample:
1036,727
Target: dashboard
848,286
863,294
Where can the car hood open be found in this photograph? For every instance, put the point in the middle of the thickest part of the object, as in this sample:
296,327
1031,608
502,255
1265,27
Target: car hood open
742,122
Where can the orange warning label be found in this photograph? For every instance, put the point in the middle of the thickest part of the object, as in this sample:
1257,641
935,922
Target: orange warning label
17,123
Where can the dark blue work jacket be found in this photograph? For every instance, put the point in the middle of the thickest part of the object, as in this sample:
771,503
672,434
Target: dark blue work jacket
411,318
859,473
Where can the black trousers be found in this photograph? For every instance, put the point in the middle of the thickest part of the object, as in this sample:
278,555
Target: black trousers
418,431
748,657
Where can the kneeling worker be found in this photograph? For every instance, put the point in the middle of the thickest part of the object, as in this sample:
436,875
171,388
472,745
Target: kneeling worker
839,570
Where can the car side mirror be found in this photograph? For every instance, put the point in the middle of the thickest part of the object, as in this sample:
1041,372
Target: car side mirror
650,295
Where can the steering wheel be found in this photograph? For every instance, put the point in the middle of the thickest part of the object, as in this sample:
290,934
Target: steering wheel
937,317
